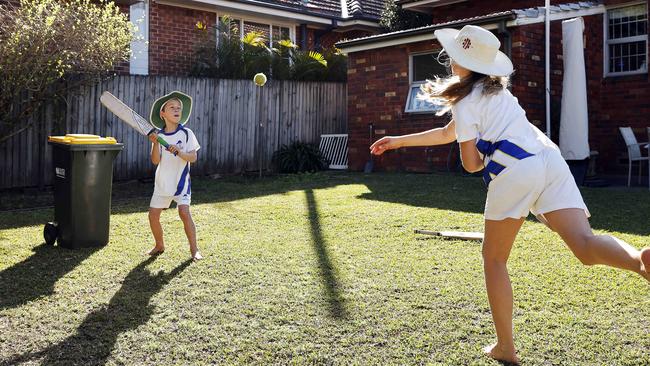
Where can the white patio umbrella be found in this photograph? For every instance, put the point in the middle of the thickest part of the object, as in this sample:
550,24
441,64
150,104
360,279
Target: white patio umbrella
574,123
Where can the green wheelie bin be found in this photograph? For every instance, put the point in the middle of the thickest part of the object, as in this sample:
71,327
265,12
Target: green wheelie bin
83,179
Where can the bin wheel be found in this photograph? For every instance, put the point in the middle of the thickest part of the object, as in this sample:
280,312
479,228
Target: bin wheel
50,233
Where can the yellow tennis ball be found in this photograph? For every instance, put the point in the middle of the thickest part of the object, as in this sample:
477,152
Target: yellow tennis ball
259,79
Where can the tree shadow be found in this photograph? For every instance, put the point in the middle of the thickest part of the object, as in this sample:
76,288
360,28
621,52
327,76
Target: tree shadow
95,338
329,275
36,276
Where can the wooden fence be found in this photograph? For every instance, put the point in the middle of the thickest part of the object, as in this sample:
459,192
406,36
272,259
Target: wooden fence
229,118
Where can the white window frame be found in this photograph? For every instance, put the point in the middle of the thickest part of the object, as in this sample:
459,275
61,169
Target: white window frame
139,58
412,93
607,42
271,24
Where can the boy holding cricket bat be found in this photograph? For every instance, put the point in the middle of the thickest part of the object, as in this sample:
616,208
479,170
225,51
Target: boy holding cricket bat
170,114
523,169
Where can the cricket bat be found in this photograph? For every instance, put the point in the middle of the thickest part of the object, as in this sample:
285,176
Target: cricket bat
464,235
129,116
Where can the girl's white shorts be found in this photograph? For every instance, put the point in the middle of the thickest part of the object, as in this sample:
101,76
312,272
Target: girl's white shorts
165,201
541,183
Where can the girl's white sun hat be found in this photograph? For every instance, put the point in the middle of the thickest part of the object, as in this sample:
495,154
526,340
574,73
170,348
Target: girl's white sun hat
476,49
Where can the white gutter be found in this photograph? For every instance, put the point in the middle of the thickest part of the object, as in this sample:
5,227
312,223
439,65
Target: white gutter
210,5
402,40
348,23
547,61
562,15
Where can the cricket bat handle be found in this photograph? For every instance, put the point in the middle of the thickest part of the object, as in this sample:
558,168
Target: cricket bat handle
162,142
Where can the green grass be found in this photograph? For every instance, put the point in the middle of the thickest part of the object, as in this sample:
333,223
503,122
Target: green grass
317,269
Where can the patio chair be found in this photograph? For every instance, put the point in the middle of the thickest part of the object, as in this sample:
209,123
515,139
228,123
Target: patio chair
634,152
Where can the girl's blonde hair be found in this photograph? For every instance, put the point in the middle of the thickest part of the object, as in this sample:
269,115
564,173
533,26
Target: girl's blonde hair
450,90
162,107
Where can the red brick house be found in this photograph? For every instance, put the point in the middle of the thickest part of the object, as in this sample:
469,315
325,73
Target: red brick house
167,34
386,70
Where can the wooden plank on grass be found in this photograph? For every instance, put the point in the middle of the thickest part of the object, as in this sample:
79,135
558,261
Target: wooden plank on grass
463,235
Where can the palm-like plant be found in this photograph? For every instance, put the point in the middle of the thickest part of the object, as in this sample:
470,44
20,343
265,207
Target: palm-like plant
256,56
308,65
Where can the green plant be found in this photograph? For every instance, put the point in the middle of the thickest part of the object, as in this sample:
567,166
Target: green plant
394,18
49,47
236,57
299,157
337,65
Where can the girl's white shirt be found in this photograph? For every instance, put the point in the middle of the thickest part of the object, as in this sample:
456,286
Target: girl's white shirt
495,118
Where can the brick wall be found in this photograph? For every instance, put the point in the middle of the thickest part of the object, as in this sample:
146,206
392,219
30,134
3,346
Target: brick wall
172,36
378,88
122,68
613,101
378,85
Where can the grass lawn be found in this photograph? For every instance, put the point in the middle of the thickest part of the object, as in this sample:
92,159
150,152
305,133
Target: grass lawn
317,269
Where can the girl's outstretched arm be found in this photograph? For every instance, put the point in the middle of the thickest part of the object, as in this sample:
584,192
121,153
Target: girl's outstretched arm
436,136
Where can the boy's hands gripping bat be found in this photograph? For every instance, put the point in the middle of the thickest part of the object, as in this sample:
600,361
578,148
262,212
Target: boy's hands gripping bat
129,116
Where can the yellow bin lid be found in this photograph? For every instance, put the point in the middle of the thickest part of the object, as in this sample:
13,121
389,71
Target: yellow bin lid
82,139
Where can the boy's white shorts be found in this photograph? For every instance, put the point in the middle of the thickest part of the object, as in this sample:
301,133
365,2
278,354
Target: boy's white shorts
541,183
165,201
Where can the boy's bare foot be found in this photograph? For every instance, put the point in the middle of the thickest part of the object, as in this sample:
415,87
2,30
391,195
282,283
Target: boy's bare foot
156,251
499,354
645,261
197,256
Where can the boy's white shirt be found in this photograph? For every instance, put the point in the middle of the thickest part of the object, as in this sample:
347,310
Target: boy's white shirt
170,176
494,118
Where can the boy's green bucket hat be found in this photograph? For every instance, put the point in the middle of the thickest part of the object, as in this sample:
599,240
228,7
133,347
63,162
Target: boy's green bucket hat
156,108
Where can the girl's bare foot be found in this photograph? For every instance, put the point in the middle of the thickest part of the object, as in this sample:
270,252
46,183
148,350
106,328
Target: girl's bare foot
156,250
500,354
645,261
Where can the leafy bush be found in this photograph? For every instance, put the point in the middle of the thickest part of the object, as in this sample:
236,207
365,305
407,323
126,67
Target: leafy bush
299,157
394,18
48,47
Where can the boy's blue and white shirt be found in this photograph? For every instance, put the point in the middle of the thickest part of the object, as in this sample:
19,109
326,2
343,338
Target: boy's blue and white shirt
173,173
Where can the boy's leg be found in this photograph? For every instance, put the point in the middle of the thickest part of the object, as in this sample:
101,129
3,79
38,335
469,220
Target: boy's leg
190,230
156,230
590,249
497,243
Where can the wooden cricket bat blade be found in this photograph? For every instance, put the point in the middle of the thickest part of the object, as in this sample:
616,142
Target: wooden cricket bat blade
464,235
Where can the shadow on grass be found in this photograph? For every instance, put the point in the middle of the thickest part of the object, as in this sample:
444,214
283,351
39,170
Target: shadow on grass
35,276
612,209
445,192
328,272
96,336
620,210
134,197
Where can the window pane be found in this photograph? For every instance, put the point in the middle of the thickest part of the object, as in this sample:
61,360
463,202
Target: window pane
426,67
625,57
630,21
280,34
257,27
418,105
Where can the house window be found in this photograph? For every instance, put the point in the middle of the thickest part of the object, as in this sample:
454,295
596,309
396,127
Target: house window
273,33
626,49
422,67
139,59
